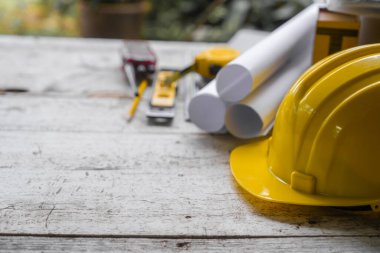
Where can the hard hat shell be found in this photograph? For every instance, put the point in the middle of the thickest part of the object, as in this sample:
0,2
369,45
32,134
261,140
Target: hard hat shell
325,145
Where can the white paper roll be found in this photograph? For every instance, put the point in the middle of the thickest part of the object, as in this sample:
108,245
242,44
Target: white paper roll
244,74
207,110
255,114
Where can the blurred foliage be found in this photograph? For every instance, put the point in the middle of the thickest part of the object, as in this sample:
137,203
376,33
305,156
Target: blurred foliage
216,20
95,2
203,20
39,17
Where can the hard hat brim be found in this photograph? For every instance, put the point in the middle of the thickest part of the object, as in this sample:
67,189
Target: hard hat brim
250,168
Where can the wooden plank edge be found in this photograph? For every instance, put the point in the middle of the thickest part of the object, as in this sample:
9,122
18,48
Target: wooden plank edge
289,244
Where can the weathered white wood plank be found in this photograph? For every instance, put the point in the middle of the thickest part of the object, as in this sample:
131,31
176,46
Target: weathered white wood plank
72,166
275,245
144,184
77,66
62,114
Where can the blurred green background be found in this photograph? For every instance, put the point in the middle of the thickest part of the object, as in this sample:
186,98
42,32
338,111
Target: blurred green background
39,17
190,20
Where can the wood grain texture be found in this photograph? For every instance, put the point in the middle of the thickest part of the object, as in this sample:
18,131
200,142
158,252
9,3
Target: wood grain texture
77,66
275,245
62,114
144,184
76,177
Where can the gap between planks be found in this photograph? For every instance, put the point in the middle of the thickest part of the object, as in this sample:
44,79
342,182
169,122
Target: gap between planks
183,237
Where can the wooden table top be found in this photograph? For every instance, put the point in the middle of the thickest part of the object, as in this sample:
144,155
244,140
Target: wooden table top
76,176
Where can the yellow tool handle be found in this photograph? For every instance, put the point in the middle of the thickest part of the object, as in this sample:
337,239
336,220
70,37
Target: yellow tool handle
207,63
137,99
177,75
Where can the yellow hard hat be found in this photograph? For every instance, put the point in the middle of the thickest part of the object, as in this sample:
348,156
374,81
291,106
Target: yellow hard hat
325,145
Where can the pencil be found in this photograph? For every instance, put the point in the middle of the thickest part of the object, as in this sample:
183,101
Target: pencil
137,99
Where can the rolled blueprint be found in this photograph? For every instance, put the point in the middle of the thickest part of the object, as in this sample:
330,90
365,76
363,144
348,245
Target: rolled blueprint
207,110
248,71
255,114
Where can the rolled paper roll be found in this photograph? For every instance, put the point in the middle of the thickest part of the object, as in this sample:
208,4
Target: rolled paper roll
207,110
248,71
255,114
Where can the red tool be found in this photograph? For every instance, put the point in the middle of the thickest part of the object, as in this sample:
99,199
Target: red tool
139,65
139,55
